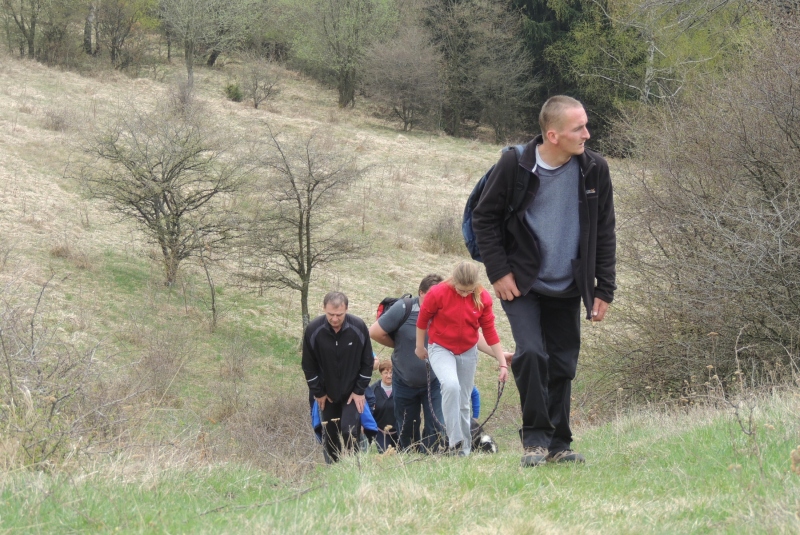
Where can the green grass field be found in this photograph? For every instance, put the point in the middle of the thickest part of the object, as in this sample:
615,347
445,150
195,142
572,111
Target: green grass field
646,472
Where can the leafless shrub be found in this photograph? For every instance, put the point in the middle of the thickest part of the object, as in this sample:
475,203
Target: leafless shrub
163,363
258,80
181,95
78,258
711,235
274,433
403,74
444,236
57,120
57,399
232,386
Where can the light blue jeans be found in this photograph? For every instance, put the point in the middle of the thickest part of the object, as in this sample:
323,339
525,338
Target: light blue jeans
456,374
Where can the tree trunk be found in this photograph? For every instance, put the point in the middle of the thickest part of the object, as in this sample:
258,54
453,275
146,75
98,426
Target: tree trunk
87,31
212,58
304,304
32,40
188,54
347,87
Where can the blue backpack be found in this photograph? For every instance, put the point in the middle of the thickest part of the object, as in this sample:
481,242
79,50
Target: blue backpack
515,198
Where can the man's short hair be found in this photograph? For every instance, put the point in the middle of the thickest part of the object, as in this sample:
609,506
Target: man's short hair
553,110
337,299
384,365
429,282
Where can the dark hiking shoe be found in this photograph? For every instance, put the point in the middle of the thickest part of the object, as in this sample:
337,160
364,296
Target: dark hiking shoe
566,456
535,456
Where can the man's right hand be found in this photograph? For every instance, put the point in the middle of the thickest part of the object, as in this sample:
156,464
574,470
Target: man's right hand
321,402
506,288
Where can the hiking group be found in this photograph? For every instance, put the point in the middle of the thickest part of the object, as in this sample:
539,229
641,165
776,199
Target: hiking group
542,222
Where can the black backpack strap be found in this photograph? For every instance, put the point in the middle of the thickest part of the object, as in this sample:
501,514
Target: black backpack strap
408,302
517,193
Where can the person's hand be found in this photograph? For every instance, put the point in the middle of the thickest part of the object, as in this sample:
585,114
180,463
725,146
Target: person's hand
599,309
508,355
359,401
422,353
503,374
321,402
505,288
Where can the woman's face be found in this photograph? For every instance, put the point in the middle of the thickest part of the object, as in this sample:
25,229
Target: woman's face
386,376
462,290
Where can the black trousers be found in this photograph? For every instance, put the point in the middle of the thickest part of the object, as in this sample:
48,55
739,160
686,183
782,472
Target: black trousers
341,428
547,335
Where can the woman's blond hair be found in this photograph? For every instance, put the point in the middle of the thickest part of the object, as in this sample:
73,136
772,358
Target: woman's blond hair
466,274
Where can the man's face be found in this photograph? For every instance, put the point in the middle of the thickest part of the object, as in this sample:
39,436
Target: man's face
335,315
571,133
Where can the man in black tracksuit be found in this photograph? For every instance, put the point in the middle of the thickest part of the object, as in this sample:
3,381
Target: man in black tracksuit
556,250
337,362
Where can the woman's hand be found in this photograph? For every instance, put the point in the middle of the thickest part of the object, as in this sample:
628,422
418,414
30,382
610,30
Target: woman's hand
503,374
421,352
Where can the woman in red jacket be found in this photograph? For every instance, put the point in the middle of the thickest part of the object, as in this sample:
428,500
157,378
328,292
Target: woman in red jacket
452,313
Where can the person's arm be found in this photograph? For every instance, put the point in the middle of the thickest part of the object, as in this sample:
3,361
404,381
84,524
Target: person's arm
389,322
426,311
486,322
485,348
365,371
606,251
497,351
488,221
313,373
420,350
377,333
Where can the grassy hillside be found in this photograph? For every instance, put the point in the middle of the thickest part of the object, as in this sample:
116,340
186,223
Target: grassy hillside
216,438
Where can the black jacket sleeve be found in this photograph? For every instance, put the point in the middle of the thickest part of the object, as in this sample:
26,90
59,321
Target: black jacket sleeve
311,368
606,250
367,361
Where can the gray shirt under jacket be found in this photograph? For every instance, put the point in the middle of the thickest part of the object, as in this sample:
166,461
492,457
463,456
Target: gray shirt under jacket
553,219
406,366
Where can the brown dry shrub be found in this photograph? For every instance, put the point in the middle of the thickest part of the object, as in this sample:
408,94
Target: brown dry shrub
444,236
78,258
163,363
274,433
57,120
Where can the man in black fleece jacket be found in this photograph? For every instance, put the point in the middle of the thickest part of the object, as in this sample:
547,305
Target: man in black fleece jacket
554,252
337,362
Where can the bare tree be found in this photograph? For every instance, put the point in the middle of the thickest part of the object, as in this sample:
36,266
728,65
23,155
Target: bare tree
258,79
25,15
335,34
404,74
205,25
170,172
115,21
300,221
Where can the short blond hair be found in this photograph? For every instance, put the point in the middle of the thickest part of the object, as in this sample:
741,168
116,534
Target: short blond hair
552,112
